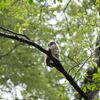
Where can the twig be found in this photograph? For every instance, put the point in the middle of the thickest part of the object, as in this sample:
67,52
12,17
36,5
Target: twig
66,6
9,51
82,65
77,64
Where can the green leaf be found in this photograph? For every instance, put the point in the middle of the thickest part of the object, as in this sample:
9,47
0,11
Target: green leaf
30,1
60,0
98,70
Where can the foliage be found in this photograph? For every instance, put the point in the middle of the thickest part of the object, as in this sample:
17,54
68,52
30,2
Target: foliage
74,29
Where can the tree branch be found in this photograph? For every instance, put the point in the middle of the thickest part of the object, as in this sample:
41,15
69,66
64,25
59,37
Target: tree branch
57,63
66,6
11,32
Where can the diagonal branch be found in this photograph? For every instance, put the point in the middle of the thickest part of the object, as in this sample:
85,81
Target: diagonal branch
57,63
23,40
66,6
